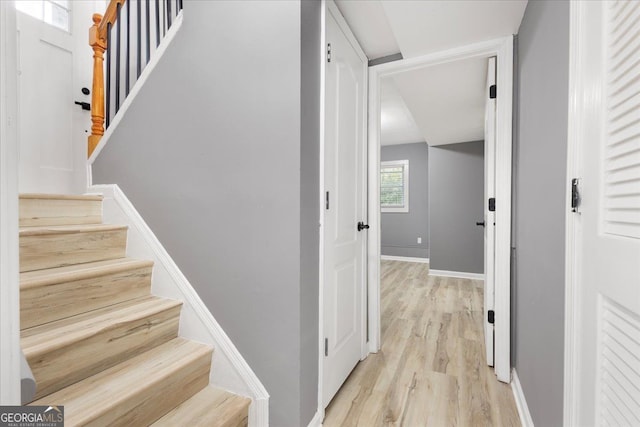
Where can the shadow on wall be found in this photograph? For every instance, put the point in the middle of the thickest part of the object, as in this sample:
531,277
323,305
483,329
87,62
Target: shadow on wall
456,203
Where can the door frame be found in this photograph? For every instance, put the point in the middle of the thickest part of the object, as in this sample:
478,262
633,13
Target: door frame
501,48
329,6
9,264
580,101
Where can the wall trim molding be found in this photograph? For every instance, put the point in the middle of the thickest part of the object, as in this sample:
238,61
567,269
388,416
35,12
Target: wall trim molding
456,274
521,402
10,353
137,86
316,421
229,370
404,259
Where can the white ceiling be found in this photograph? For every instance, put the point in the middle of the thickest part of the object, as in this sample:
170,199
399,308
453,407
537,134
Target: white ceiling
446,101
385,27
442,104
369,24
396,125
420,27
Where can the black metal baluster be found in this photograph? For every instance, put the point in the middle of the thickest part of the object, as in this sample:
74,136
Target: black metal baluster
108,100
118,22
127,62
148,34
164,19
139,45
168,7
180,2
157,22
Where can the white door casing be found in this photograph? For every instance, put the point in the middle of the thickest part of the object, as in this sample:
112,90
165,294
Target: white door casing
489,217
53,66
345,183
602,350
502,49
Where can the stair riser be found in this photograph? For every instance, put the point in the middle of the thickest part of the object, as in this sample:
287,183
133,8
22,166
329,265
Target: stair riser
159,397
42,212
56,250
44,304
60,367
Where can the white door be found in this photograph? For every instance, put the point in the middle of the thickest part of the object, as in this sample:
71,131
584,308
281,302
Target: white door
606,326
54,64
345,206
489,217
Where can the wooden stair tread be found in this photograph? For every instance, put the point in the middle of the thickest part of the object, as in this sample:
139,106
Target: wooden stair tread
68,229
35,278
210,407
62,332
66,351
93,197
138,390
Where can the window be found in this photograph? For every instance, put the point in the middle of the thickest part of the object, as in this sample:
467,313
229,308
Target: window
53,12
394,186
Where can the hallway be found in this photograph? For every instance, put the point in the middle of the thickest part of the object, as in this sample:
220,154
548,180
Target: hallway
431,369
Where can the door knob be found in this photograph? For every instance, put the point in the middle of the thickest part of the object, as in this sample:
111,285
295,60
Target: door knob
480,223
362,226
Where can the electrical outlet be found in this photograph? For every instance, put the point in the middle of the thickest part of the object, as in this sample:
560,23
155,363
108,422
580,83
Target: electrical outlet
419,240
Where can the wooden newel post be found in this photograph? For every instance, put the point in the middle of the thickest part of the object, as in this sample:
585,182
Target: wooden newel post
99,45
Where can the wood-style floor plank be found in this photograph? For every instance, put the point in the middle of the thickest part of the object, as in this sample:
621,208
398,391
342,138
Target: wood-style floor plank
431,370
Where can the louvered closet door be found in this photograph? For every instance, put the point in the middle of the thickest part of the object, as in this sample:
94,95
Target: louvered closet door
609,222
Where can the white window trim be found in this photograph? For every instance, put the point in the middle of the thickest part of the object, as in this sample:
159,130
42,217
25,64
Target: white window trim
405,166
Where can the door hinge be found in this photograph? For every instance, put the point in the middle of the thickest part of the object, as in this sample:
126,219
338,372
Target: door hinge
492,204
326,346
491,316
493,91
326,200
575,195
328,52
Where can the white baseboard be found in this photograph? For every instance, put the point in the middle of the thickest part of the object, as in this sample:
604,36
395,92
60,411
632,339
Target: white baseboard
457,274
521,402
316,421
229,370
404,259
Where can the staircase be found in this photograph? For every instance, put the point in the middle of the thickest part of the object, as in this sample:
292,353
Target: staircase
96,340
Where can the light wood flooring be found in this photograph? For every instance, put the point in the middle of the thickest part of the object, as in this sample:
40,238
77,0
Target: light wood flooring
431,370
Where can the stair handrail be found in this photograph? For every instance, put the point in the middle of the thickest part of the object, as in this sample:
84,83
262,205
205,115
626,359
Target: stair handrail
164,12
98,42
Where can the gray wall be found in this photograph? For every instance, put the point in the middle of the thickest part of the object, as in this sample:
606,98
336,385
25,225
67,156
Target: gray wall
543,57
309,207
456,202
219,153
401,230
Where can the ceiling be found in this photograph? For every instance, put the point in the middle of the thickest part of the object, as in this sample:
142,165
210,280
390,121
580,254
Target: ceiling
397,125
385,27
446,101
443,104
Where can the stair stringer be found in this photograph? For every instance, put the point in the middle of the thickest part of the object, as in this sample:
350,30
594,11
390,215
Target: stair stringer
229,370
